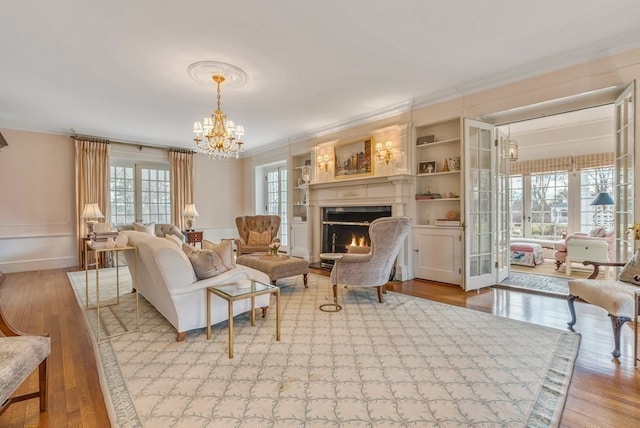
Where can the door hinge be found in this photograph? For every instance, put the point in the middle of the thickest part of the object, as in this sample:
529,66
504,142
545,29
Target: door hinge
460,238
496,265
495,142
459,271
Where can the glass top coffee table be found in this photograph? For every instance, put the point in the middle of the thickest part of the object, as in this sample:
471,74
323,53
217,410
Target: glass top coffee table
242,289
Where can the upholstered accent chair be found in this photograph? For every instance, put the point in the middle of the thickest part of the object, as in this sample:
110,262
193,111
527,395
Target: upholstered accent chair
20,355
256,232
617,296
372,269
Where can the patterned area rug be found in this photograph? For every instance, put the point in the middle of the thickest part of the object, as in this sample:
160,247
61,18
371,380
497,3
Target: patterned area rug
407,362
537,283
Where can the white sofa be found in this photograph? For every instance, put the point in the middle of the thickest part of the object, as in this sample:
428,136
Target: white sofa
167,280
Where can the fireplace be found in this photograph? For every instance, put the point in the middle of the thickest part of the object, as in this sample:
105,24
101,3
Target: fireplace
346,226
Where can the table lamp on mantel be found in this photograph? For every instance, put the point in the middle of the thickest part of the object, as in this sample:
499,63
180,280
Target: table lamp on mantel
91,212
189,213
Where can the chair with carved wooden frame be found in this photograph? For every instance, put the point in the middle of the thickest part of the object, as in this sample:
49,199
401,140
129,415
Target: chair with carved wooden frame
20,355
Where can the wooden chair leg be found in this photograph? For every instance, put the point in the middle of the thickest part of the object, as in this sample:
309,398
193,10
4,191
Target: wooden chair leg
379,288
44,385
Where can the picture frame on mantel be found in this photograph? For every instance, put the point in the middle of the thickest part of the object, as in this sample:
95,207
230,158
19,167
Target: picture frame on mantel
353,159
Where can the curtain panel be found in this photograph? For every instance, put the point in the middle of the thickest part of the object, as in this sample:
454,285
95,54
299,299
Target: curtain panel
182,191
92,181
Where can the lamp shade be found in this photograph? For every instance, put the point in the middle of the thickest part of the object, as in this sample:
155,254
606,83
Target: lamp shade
190,211
92,211
603,198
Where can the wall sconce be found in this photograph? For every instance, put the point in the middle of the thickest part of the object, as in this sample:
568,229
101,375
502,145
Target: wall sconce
323,162
384,154
189,213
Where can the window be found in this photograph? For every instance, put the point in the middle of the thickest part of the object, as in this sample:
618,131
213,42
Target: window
516,205
140,193
276,198
592,182
549,204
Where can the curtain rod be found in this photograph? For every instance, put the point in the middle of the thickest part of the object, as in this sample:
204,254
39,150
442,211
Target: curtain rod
149,146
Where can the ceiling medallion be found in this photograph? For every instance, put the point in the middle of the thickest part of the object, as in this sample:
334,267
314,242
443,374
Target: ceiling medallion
216,136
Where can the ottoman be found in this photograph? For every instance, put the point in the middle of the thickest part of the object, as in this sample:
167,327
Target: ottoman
526,254
276,266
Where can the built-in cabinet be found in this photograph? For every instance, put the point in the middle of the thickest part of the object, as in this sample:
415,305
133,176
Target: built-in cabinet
438,233
300,178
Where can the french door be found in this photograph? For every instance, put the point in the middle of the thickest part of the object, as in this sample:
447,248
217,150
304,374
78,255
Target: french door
486,191
624,187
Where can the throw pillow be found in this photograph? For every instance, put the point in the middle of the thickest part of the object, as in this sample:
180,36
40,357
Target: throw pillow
631,270
598,232
259,238
149,228
174,239
224,250
206,263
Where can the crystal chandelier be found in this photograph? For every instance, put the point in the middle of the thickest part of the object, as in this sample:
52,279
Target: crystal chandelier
222,137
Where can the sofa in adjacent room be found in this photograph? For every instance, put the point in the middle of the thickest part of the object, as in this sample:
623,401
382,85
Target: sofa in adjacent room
166,278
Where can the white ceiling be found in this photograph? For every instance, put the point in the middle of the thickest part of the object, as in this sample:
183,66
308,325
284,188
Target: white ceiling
117,68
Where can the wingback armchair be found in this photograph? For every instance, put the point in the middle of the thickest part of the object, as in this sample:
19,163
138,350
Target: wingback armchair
256,232
372,269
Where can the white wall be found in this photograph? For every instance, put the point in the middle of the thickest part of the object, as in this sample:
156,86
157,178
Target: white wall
37,199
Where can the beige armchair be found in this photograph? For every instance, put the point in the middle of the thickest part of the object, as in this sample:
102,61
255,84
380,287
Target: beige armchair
372,269
20,355
256,232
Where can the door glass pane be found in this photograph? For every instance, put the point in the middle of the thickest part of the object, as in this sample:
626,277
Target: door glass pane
593,182
276,199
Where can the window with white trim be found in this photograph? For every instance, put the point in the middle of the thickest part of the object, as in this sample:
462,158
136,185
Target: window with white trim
276,198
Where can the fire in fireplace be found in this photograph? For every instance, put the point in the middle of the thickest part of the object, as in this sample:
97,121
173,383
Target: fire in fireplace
346,226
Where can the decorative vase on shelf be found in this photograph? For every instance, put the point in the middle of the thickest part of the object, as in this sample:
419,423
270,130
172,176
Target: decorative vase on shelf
121,241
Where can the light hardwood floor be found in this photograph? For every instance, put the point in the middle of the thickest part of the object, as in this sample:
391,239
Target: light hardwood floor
604,392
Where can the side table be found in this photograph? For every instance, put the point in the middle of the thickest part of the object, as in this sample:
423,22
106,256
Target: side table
332,307
99,249
193,237
243,289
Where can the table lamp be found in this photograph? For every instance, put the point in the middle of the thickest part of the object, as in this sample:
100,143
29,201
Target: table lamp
189,213
91,212
602,199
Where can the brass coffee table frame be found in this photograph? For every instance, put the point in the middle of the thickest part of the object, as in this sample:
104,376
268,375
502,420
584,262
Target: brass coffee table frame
98,248
231,293
332,307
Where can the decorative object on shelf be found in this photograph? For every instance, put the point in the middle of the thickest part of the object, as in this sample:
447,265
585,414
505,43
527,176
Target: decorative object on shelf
306,173
425,140
222,137
91,213
386,153
445,166
427,167
189,213
121,240
602,199
323,162
454,163
274,247
353,159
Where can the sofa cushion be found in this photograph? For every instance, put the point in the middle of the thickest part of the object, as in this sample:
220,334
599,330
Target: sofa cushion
259,238
174,239
598,232
224,251
206,263
631,271
148,228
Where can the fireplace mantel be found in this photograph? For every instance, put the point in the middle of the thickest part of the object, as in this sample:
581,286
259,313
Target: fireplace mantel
396,191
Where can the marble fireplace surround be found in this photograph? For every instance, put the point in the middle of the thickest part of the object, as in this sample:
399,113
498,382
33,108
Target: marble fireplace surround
395,191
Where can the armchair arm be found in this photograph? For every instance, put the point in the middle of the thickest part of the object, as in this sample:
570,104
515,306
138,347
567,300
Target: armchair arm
596,267
356,258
